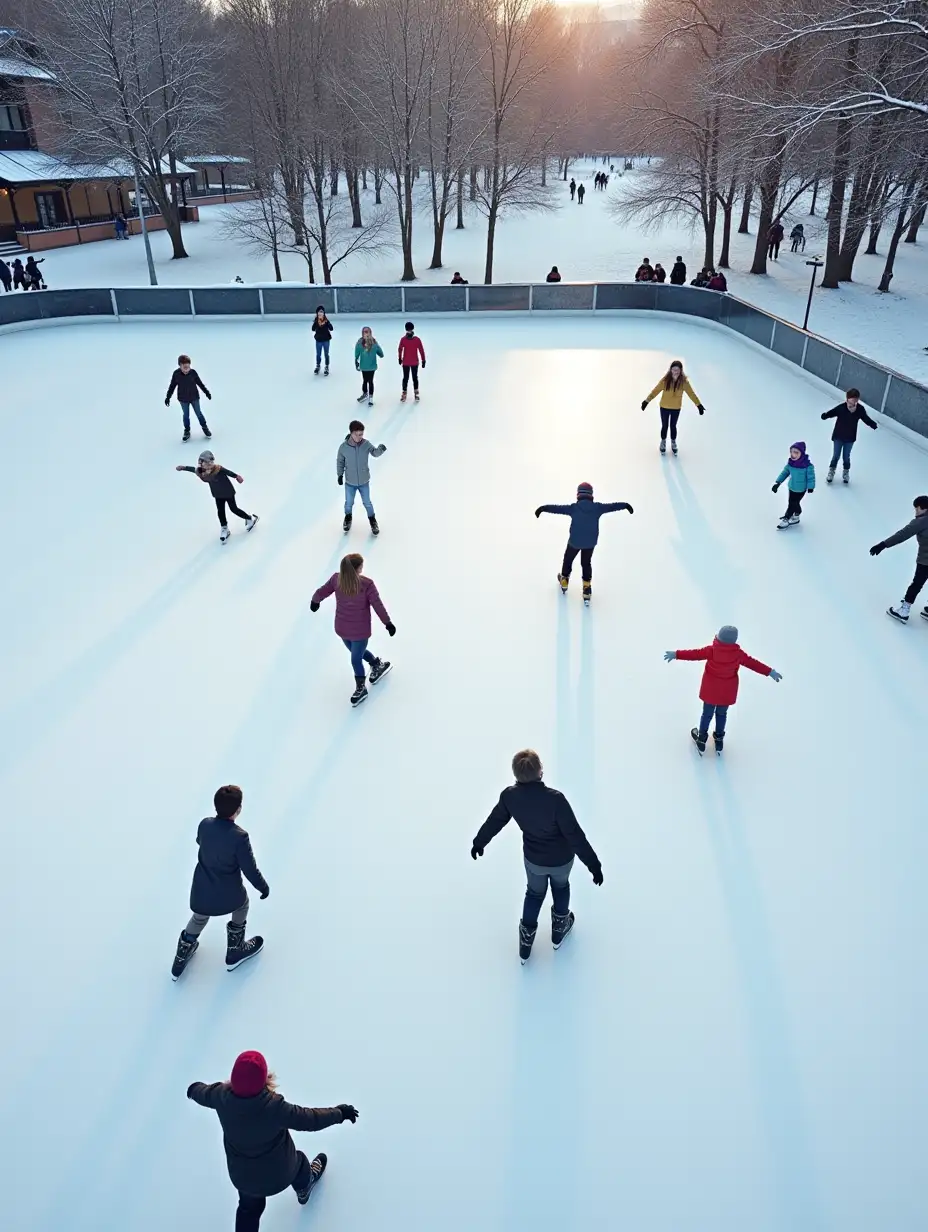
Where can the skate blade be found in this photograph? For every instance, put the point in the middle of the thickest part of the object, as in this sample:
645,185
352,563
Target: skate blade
235,966
903,620
355,705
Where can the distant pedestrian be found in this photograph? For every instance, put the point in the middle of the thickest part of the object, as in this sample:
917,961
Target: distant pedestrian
645,271
19,275
660,274
717,282
6,276
457,280
774,240
322,332
573,187
581,193
33,274
701,279
121,227
553,275
678,273
797,238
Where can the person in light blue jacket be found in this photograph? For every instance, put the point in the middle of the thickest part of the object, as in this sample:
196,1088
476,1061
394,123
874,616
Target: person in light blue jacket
366,351
801,474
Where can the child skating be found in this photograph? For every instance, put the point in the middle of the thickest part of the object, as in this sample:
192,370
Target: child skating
801,475
220,485
218,889
584,516
848,415
366,351
411,352
186,380
355,595
671,387
352,468
918,528
719,688
322,332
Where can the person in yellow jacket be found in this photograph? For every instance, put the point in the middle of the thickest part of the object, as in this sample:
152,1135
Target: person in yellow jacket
671,388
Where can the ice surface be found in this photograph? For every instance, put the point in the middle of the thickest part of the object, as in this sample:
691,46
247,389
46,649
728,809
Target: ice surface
732,1039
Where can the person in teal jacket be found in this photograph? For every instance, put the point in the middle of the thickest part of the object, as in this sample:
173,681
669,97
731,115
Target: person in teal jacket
801,474
366,351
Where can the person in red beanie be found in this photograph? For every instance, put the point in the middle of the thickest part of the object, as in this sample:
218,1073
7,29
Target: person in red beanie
256,1123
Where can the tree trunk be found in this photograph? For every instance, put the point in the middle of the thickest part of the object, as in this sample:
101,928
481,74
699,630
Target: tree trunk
278,276
875,228
744,226
814,198
409,273
460,219
378,184
491,236
566,162
544,171
835,210
333,178
473,182
887,277
911,236
354,192
728,207
364,177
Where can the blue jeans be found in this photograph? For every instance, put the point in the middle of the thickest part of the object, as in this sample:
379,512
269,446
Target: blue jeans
185,407
359,654
844,447
351,491
537,879
320,348
721,715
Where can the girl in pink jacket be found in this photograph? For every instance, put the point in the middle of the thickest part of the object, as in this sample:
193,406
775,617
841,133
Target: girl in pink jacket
355,595
411,353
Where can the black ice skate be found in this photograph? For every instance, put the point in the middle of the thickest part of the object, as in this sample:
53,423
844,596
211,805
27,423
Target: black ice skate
380,669
416,395
700,738
663,446
238,950
360,693
207,433
526,940
186,435
316,370
403,396
186,948
326,371
924,612
375,529
673,448
560,927
900,613
719,741
587,593
317,1167
346,525
362,397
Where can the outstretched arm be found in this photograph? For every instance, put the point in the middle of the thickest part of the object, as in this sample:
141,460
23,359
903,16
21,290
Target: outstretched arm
309,1119
616,507
328,588
702,653
191,469
755,665
655,391
206,1095
566,509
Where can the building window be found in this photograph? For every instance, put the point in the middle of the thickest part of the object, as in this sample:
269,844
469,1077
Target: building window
50,208
12,118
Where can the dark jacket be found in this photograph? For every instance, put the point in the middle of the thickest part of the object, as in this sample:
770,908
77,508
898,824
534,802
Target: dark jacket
186,386
6,274
846,421
225,853
584,519
323,329
678,274
551,834
553,277
660,275
917,527
220,482
260,1153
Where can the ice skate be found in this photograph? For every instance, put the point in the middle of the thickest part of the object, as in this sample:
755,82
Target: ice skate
587,593
564,583
403,396
526,940
224,534
362,397
560,927
317,1167
316,370
416,395
375,528
663,446
186,948
360,692
251,522
206,432
783,523
238,950
719,741
699,738
673,448
902,612
326,370
346,525
794,519
924,612
380,669
186,436
370,400
846,477
829,478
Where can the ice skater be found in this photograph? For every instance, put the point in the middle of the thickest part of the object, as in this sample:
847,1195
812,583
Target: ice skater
218,889
260,1154
355,595
352,468
366,351
671,387
584,516
848,415
322,332
551,838
411,352
220,485
918,528
186,380
801,475
719,688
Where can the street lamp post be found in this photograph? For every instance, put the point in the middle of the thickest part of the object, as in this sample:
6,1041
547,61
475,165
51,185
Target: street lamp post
816,264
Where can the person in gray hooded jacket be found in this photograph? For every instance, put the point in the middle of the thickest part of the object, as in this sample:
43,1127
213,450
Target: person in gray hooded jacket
353,470
917,528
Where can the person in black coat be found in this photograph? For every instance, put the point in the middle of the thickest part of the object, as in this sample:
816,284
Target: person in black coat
256,1122
678,273
217,889
6,276
220,485
186,380
33,273
584,517
19,275
573,187
322,331
847,415
551,838
553,275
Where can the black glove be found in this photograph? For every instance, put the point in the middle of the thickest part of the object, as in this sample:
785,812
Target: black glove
167,402
349,1112
877,549
598,877
357,367
475,851
265,894
423,365
391,629
314,606
209,396
383,448
775,487
824,414
701,409
644,406
538,512
629,508
341,480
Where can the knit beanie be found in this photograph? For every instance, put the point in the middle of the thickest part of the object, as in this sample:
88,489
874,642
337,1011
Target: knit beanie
728,634
585,491
249,1074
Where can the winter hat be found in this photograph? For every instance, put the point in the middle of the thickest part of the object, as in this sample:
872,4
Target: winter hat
585,491
728,635
409,325
803,459
249,1074
207,457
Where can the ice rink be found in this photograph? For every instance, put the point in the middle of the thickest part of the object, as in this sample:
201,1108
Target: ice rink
733,1037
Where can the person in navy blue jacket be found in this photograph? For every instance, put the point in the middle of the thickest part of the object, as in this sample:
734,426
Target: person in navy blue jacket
584,517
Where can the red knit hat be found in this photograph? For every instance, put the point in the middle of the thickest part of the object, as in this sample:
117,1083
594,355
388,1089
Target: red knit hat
585,491
249,1074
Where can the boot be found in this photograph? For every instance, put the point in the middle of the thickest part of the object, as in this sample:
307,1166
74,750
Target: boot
560,927
346,525
403,396
326,370
363,395
186,435
673,448
251,521
663,446
186,948
375,529
526,939
831,474
316,370
416,395
224,534
902,612
847,474
317,1167
719,741
360,692
700,739
379,669
564,582
206,432
587,593
238,950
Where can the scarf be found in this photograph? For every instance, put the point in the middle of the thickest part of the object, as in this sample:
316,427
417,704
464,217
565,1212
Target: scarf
803,460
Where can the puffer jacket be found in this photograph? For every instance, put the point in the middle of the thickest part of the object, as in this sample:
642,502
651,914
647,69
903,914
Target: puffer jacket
353,612
352,460
720,679
672,399
367,360
801,478
917,527
584,519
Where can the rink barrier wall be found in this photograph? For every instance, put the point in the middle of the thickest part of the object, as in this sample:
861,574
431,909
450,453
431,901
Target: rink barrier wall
897,396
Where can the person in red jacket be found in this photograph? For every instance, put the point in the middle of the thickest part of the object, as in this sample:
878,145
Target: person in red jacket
411,351
355,595
719,688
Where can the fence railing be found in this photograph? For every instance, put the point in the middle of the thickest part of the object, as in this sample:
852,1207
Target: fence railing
895,395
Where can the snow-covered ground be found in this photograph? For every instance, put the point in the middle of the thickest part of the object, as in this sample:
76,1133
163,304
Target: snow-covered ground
732,1039
585,242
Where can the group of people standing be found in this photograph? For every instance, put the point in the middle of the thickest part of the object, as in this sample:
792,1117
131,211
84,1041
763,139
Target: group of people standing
26,277
713,280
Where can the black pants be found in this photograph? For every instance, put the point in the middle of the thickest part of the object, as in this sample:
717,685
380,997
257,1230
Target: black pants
773,249
586,561
794,504
414,369
921,577
669,419
8,286
250,1209
367,384
221,502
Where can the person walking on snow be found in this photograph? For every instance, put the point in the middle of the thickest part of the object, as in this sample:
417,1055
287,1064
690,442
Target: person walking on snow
719,687
801,474
6,275
186,380
847,416
410,352
322,331
352,467
584,517
678,273
774,240
573,187
797,238
671,387
220,485
551,839
581,193
366,351
355,595
217,889
918,528
19,275
256,1123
